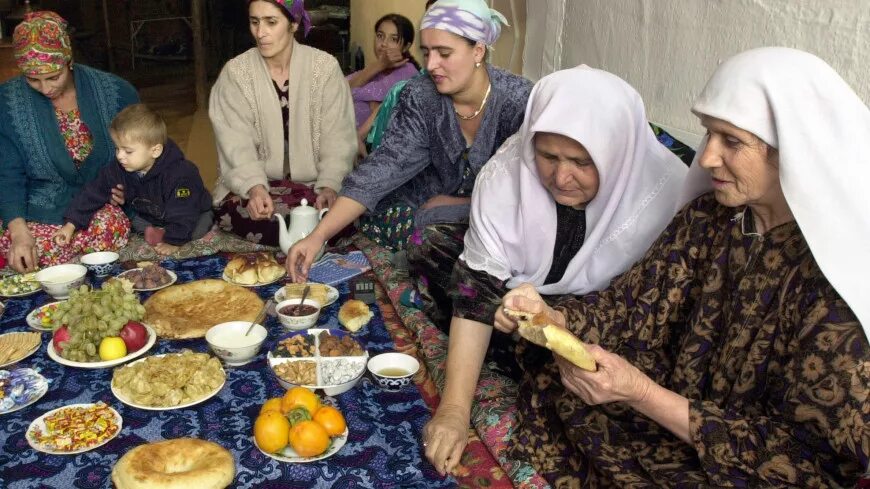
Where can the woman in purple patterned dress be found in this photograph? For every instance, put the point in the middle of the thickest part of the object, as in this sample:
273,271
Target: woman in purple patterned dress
735,353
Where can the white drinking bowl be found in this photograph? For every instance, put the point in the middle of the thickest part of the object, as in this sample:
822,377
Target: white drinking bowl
393,371
297,323
58,280
229,343
101,263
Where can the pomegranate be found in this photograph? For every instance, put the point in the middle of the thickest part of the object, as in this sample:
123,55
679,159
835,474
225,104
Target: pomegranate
134,335
61,335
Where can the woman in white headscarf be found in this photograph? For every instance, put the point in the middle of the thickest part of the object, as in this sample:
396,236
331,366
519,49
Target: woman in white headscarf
569,202
733,354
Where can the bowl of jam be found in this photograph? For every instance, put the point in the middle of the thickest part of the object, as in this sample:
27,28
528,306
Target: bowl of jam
295,315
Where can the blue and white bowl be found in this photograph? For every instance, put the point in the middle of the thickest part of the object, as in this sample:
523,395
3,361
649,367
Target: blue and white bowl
393,371
101,263
20,388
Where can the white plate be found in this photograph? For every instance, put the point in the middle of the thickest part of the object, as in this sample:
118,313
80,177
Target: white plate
152,338
331,294
40,423
258,284
173,278
289,456
328,389
36,387
34,323
130,402
31,352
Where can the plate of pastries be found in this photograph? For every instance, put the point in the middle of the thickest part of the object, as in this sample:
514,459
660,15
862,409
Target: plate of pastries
253,270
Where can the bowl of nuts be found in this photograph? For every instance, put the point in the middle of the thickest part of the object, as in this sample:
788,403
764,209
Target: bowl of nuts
327,359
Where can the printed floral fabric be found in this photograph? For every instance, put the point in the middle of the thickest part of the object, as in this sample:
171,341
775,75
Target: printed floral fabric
775,366
108,231
390,228
76,135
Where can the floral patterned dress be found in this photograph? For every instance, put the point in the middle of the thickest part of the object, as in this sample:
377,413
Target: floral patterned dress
774,363
109,227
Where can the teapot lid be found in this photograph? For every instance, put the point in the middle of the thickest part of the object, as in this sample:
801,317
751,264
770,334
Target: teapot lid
303,209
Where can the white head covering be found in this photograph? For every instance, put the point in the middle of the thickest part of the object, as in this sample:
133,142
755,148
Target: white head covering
798,104
513,217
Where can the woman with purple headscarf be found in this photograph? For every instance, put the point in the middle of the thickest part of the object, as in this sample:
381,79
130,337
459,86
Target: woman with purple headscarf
283,119
444,129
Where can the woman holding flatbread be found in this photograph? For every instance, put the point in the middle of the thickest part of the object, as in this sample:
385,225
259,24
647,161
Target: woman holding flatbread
569,202
732,354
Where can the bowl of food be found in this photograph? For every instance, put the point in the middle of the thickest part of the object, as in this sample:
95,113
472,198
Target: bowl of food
295,315
326,359
229,342
393,370
101,263
58,280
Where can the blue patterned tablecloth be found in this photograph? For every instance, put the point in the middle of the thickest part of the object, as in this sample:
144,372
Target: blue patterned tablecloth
383,448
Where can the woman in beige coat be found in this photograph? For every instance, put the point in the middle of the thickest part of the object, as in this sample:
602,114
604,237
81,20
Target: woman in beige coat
284,123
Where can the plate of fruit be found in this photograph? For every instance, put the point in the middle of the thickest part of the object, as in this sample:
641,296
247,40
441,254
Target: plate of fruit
299,428
41,318
100,328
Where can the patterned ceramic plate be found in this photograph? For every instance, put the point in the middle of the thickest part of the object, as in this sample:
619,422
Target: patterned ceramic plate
35,317
54,355
38,425
258,284
172,276
20,388
121,397
331,294
290,456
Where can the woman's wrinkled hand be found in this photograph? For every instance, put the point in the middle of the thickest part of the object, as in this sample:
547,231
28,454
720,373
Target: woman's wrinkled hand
260,205
325,198
63,236
445,437
616,380
301,255
523,299
23,256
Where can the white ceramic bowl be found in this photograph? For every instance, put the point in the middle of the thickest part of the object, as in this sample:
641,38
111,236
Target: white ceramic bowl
58,280
393,371
229,343
297,323
101,263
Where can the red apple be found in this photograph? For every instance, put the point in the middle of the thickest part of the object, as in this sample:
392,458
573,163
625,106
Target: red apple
61,335
134,335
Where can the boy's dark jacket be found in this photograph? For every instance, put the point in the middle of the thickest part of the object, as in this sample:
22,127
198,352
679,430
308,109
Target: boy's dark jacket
171,195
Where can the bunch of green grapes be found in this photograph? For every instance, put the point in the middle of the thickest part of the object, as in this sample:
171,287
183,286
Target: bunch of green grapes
91,315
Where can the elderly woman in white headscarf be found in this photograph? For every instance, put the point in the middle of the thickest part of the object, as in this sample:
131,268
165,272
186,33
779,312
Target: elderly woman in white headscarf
733,354
569,202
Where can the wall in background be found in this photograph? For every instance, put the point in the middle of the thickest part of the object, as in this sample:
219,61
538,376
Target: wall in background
508,51
667,49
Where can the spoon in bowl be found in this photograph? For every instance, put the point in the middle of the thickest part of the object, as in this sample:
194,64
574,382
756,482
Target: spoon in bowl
260,316
305,292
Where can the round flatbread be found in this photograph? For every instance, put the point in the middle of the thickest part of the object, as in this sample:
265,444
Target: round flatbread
189,310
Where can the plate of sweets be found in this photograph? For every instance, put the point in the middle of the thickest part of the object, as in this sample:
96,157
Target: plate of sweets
17,346
149,277
42,318
75,428
20,388
317,358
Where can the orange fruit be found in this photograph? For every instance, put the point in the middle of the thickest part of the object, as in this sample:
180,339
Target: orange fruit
273,404
271,431
300,397
308,439
331,419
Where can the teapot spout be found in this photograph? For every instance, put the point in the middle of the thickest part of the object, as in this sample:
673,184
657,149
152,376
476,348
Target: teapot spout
283,234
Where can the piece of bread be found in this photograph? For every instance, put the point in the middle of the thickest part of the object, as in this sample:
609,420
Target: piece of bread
269,271
317,292
175,464
539,330
354,314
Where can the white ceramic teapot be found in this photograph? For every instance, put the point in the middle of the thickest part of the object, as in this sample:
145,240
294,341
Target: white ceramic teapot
303,220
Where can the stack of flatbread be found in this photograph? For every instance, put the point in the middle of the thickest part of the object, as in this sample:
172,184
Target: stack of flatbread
189,310
539,330
317,292
253,268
